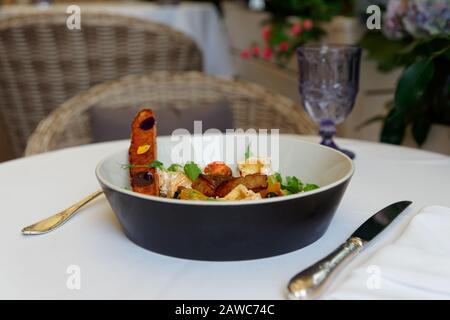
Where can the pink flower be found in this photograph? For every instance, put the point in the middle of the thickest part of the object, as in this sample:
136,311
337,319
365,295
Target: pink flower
267,53
245,54
267,33
296,28
256,51
283,46
308,24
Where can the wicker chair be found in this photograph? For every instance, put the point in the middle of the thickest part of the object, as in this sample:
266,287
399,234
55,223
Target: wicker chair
43,63
252,106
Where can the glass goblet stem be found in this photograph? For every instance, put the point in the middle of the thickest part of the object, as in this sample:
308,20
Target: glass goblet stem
327,131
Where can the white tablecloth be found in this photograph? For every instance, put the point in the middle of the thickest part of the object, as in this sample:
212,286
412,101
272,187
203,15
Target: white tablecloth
200,21
113,267
415,266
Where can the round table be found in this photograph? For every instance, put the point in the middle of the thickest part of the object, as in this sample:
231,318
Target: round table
92,247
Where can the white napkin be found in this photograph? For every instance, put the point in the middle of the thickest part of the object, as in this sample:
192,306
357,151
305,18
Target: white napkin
415,266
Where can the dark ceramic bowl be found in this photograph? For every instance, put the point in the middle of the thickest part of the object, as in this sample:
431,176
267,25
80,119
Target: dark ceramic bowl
235,230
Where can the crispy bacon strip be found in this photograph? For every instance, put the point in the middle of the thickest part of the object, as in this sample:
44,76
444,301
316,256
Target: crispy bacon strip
143,152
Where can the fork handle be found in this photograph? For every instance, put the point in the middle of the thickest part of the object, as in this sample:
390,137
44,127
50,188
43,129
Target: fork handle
57,220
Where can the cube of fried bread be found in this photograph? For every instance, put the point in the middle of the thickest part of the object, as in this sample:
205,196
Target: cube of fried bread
241,193
255,165
254,182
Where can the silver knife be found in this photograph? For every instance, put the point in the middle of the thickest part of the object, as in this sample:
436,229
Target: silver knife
312,282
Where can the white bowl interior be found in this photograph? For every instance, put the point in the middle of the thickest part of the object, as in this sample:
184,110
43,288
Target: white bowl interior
310,162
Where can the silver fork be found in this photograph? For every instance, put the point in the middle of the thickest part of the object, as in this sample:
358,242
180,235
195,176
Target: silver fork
57,220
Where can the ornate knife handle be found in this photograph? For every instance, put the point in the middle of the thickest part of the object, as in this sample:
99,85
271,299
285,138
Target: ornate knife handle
312,282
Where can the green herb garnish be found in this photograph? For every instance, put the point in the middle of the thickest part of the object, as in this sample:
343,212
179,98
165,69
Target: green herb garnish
274,178
174,167
248,153
293,185
157,164
154,164
271,180
310,186
192,170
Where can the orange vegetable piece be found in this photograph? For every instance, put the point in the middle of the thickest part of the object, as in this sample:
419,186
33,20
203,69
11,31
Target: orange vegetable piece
274,188
219,168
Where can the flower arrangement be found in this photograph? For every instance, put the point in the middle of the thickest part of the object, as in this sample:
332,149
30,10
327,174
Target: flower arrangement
416,36
291,24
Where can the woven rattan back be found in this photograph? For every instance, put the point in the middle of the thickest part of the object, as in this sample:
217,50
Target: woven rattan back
43,63
252,106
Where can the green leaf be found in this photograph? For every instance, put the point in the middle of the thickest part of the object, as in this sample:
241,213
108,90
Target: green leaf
192,170
433,46
420,128
293,185
278,177
387,53
157,164
410,47
412,86
271,180
274,178
174,167
248,152
394,128
310,186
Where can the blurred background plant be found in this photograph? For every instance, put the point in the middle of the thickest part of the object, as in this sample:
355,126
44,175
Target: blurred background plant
293,23
415,36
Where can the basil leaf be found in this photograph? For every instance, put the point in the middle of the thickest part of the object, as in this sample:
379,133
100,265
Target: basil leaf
293,185
278,177
174,167
310,186
192,170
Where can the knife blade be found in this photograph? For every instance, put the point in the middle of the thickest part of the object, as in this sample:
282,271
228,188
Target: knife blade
312,282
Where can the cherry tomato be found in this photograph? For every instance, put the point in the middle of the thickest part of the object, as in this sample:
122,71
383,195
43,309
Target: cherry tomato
218,167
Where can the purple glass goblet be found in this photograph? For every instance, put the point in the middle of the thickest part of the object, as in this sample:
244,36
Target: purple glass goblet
328,85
